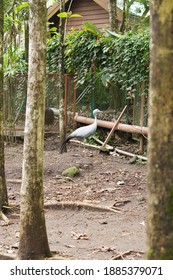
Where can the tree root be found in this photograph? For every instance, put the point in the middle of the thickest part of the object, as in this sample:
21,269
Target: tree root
77,205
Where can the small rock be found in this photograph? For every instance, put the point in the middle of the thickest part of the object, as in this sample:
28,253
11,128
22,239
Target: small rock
71,171
10,251
120,183
15,246
103,223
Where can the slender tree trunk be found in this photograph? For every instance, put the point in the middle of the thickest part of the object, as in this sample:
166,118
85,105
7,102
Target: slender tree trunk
62,125
33,237
26,34
124,16
160,147
112,8
3,189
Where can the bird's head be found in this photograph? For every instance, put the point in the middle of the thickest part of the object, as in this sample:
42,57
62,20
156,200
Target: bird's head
95,112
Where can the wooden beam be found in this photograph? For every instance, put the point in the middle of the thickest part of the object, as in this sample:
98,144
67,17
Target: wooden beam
109,125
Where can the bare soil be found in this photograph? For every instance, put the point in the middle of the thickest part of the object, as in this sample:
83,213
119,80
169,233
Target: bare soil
99,214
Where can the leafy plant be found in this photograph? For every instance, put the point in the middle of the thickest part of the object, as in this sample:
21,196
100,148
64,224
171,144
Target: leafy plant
122,60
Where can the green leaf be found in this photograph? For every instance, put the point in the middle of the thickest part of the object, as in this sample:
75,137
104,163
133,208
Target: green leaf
75,16
92,28
113,34
68,15
22,6
53,29
62,15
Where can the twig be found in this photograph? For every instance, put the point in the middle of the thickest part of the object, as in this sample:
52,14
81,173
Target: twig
129,154
88,145
100,142
120,256
121,202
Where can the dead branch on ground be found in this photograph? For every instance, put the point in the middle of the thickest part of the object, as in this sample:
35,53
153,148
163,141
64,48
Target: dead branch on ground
122,255
75,205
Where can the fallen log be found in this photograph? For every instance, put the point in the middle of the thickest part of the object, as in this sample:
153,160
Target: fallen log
105,124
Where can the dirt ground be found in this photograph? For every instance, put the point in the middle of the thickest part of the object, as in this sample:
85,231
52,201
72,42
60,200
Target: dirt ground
99,214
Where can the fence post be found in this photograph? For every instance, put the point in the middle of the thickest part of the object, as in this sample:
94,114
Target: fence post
141,143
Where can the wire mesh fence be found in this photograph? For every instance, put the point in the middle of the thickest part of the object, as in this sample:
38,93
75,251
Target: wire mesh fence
112,100
83,99
15,92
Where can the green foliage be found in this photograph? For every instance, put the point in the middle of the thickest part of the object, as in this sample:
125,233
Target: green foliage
89,26
22,6
122,60
14,61
53,54
16,12
129,62
82,50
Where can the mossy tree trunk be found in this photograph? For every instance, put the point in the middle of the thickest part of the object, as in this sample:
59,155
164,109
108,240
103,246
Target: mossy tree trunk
112,8
124,17
160,146
33,236
3,189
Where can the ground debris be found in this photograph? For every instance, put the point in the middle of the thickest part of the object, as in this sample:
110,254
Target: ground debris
121,203
5,221
95,193
77,236
104,249
77,205
129,252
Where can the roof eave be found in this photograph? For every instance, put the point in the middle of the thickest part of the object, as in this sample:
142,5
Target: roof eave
55,7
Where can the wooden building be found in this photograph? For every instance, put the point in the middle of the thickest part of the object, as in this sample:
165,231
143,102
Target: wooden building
95,11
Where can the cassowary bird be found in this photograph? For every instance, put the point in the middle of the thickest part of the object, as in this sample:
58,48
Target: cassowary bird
84,131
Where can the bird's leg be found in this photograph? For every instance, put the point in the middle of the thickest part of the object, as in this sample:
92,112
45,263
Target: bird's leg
84,141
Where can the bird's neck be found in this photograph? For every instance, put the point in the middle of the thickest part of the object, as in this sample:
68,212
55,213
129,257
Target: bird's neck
95,119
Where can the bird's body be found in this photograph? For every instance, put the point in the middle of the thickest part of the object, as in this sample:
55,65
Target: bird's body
84,131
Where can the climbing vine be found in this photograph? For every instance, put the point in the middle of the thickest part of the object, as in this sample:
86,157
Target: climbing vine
123,60
114,60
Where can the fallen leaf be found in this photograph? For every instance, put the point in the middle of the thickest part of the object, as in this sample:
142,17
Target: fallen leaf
77,236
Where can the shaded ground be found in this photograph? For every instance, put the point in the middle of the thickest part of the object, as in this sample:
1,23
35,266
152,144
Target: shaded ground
85,233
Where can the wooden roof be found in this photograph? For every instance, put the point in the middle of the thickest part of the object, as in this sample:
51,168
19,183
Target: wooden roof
55,8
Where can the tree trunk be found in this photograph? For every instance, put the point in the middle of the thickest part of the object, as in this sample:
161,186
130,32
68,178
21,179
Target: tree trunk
3,189
124,17
33,237
26,34
112,8
160,147
62,125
